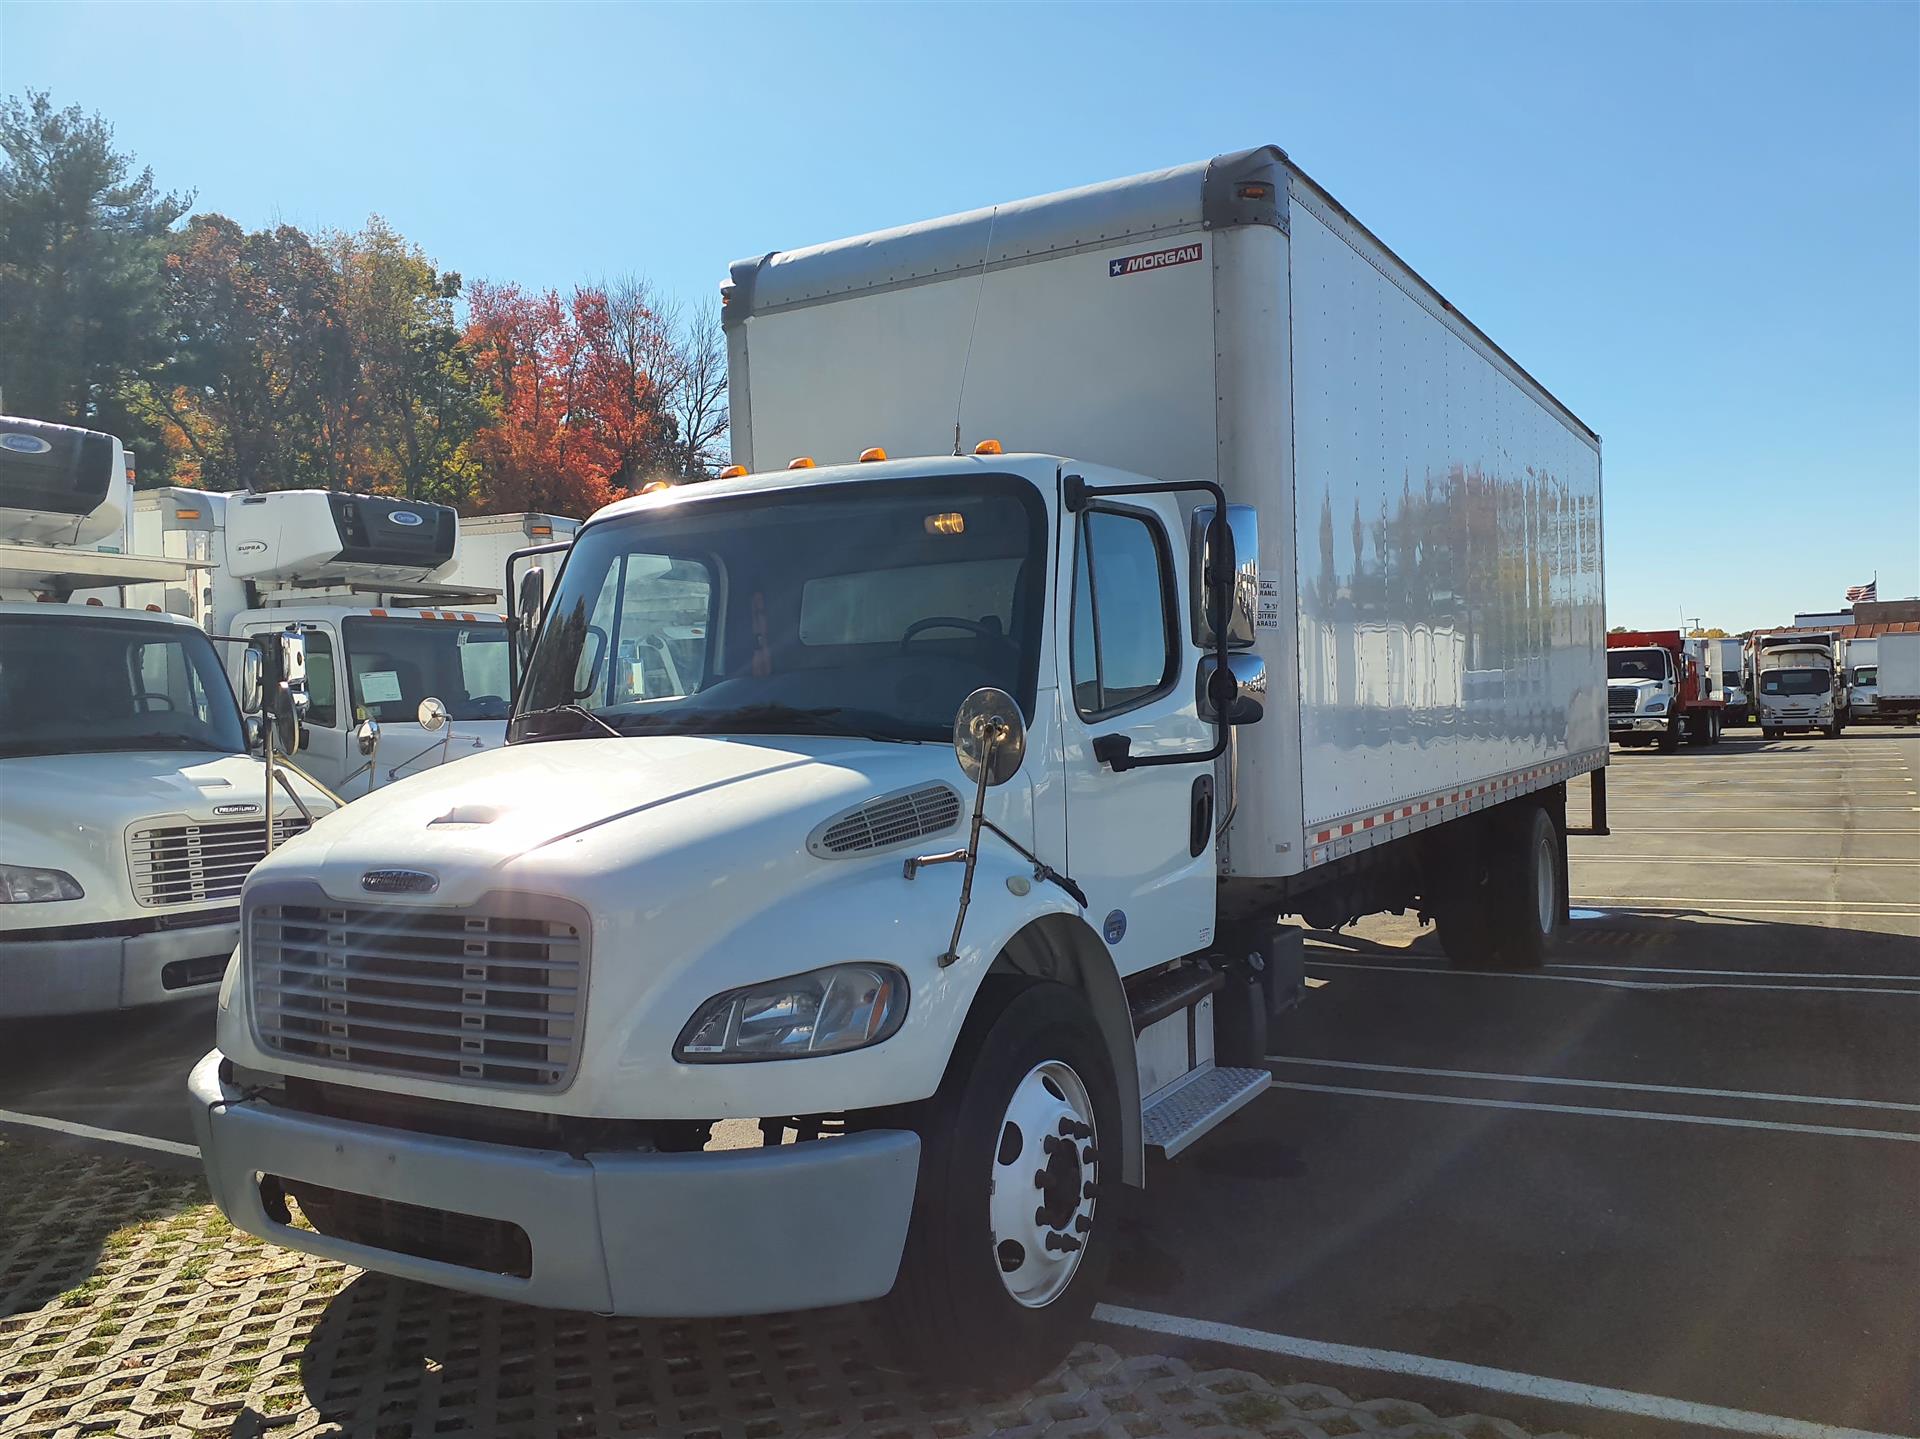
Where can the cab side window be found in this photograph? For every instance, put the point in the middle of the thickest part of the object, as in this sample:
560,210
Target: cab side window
321,711
1123,644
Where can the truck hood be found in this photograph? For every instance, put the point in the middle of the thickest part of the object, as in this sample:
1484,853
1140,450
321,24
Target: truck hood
522,805
71,812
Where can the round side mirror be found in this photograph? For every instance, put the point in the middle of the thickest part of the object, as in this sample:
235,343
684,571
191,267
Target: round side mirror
366,734
433,713
256,733
990,736
252,681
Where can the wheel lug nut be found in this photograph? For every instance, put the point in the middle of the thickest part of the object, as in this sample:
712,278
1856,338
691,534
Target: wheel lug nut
1089,1155
1039,1179
1090,1191
1063,1243
1082,1224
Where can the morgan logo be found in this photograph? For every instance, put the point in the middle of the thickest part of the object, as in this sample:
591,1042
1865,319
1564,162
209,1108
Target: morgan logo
1153,260
399,881
236,809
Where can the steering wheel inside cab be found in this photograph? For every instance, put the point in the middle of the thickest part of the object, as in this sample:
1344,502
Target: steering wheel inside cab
987,629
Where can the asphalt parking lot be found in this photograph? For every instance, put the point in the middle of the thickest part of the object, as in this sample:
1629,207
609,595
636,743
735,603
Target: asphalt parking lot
1679,1163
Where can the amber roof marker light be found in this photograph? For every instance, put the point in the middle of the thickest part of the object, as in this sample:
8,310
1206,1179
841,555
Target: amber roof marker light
872,455
801,462
988,447
733,472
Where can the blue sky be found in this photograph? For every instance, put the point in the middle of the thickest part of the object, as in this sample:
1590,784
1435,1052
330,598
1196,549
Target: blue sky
1699,225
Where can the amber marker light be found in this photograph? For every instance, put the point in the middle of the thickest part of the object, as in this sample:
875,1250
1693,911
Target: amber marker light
987,447
949,523
872,454
802,462
733,472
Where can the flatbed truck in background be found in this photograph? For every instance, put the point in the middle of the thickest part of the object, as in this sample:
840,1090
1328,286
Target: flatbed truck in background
1660,690
957,866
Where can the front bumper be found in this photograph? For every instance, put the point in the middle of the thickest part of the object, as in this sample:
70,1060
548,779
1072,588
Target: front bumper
86,976
1636,724
748,1231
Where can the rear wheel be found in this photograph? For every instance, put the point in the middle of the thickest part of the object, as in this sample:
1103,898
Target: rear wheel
1004,1256
1505,905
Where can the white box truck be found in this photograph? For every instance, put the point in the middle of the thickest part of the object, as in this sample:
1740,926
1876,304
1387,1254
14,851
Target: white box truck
955,869
486,542
130,807
1797,685
397,623
1896,677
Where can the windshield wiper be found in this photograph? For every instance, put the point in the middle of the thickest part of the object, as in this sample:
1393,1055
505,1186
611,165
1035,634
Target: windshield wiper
579,710
765,719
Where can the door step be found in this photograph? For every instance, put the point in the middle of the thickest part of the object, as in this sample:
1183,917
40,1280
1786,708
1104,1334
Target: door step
1190,1107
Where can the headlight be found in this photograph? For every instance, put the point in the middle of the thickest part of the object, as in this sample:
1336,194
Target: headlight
21,885
1657,705
825,1011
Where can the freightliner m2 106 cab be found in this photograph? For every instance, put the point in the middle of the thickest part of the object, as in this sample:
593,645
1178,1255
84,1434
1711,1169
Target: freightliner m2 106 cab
369,582
952,867
130,808
1660,689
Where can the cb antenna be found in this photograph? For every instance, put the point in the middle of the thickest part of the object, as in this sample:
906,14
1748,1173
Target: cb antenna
986,257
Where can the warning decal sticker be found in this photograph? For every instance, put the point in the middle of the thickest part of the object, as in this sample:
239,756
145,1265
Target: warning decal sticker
1153,260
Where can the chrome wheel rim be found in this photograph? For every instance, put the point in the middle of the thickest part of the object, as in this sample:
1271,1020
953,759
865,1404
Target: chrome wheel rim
1046,1170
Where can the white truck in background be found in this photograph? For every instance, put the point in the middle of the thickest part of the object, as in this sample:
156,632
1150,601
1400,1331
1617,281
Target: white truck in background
1724,660
131,809
1892,670
955,870
1796,684
400,629
486,541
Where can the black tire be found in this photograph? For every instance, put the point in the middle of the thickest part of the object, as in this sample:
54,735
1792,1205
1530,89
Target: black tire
1832,731
1769,734
950,1315
1713,727
1510,904
1670,737
1700,730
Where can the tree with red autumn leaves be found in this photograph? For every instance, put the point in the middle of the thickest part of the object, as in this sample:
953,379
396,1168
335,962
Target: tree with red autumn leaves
580,420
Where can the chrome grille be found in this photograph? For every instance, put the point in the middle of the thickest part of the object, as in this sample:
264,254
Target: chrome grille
484,998
1620,699
890,819
178,864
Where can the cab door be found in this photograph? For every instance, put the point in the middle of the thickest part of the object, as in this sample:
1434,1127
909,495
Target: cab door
1140,841
326,739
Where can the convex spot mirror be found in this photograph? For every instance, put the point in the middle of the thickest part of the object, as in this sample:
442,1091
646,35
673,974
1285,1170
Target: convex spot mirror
989,736
432,712
1238,693
366,734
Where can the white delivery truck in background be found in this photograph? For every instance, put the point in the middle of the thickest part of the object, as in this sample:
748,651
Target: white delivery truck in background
1723,659
956,870
130,807
370,581
480,562
1796,683
1855,666
1896,677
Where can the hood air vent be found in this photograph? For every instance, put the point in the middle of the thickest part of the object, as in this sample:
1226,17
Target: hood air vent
887,820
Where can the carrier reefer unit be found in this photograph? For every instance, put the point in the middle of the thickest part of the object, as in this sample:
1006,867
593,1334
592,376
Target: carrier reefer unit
1221,569
130,807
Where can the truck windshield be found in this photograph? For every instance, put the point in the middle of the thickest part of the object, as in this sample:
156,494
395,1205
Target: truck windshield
1793,682
396,663
868,608
1867,675
84,686
1636,664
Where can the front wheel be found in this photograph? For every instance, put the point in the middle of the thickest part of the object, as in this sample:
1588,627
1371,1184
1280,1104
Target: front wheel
1670,737
1832,730
1008,1243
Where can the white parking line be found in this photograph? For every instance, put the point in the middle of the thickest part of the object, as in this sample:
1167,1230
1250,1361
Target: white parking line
1894,907
1890,1105
1731,973
1478,1376
1899,860
1635,984
1714,1121
1913,833
88,1131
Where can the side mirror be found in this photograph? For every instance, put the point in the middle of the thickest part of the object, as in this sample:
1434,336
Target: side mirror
1236,562
1237,694
532,607
432,712
989,737
366,735
252,669
256,733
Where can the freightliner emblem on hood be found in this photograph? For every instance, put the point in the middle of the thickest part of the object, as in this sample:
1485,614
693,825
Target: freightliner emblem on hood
399,881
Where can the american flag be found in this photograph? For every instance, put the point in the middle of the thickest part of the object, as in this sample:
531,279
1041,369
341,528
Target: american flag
1869,592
